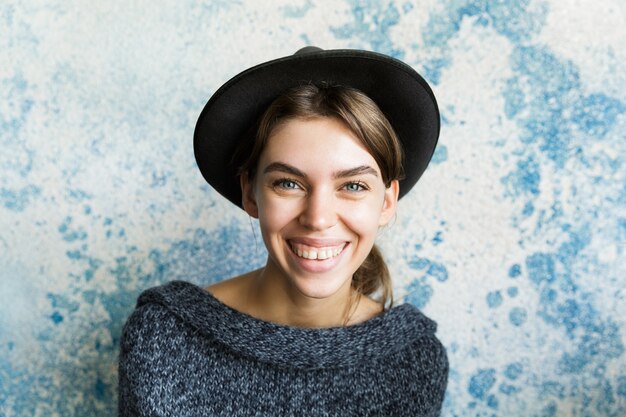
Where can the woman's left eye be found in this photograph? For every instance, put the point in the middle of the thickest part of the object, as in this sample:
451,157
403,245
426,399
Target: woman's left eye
355,186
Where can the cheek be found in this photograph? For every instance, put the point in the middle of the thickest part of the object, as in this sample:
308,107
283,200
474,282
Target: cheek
363,219
273,214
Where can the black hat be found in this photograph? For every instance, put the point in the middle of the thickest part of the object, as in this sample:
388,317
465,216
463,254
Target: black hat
401,93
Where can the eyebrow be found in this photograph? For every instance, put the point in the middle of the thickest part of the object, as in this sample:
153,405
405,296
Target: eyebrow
360,170
289,169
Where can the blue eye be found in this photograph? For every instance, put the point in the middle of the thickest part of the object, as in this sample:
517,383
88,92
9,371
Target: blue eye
286,184
355,187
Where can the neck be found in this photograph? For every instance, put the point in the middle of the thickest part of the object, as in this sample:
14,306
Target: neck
272,298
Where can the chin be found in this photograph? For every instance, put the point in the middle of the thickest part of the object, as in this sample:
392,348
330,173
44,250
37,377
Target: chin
313,287
319,279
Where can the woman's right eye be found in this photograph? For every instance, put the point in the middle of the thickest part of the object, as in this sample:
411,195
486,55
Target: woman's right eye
286,184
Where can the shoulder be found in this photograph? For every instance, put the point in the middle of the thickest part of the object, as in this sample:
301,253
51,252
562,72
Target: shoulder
149,322
230,291
424,360
155,342
175,310
159,333
366,309
423,342
429,355
158,313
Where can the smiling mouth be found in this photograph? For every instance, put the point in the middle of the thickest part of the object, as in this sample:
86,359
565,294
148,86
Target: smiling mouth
315,253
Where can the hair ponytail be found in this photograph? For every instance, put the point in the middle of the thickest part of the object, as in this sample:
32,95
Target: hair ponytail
373,275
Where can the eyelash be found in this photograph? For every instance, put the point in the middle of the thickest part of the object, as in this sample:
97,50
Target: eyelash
280,183
362,186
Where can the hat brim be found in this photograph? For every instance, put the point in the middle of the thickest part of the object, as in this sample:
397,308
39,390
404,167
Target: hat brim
399,91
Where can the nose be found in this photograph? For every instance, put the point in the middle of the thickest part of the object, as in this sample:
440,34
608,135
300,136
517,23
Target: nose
319,211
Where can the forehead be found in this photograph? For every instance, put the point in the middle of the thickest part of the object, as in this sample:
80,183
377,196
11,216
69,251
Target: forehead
319,143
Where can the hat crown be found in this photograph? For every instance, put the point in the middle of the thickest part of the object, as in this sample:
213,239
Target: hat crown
401,93
308,50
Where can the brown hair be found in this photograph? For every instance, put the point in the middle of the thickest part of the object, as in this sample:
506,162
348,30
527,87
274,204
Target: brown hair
369,125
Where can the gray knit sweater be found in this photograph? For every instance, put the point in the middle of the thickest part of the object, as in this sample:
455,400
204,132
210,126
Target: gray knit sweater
184,353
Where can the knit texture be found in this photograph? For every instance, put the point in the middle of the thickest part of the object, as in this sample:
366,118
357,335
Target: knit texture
184,353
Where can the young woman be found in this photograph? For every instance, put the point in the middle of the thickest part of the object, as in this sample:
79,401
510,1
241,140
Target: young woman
311,145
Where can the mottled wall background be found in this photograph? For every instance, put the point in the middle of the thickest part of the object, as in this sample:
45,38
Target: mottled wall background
513,240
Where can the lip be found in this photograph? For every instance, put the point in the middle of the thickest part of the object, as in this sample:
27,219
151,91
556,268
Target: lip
317,266
317,242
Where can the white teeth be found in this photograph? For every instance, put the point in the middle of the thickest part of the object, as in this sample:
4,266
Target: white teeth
321,254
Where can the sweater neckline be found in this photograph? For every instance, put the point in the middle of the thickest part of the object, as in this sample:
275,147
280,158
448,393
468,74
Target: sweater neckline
289,346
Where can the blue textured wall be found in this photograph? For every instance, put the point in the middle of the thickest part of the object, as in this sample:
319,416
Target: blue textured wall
513,241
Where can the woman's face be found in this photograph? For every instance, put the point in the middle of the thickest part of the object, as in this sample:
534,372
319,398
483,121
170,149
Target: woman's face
320,199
